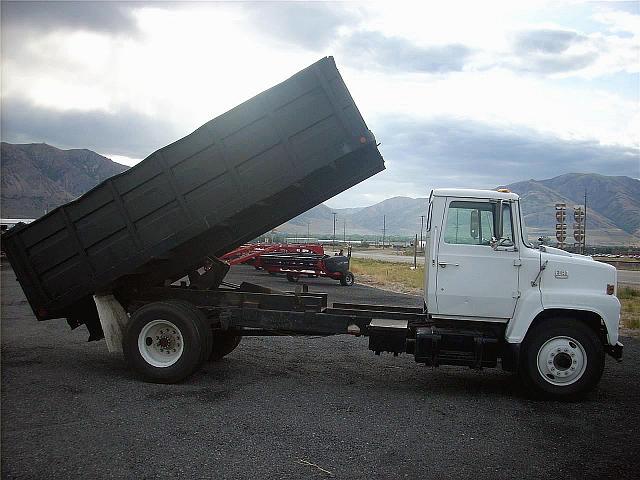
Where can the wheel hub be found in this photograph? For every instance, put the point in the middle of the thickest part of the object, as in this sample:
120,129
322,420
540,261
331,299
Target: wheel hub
160,343
561,360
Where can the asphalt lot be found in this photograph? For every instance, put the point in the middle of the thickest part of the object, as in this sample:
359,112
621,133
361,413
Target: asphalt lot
276,405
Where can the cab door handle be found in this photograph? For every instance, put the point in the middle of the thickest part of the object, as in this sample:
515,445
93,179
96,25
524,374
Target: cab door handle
444,264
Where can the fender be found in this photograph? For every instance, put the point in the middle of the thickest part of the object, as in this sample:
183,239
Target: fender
529,306
606,307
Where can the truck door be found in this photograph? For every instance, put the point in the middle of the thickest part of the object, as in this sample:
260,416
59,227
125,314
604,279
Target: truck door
473,279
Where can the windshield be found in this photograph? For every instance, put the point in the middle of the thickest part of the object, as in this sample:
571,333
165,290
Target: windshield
523,226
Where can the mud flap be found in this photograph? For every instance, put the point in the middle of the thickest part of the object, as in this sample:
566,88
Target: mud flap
113,319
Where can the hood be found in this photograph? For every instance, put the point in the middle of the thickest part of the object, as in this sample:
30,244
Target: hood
562,253
576,272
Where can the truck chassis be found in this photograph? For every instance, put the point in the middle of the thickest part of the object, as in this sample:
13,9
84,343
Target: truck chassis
223,312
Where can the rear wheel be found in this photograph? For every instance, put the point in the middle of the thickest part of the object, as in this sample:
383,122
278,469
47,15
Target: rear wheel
563,359
203,325
292,278
165,342
347,279
223,345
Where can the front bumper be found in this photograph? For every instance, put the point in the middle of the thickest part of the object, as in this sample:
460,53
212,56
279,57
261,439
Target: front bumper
615,350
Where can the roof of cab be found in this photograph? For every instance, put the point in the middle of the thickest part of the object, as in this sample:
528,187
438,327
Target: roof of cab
471,193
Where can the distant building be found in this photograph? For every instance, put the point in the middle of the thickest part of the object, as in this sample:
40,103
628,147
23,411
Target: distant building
300,240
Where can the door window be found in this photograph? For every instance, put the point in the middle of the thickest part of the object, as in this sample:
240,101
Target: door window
472,223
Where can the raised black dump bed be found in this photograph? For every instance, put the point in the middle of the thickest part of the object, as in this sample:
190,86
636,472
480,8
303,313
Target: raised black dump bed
234,178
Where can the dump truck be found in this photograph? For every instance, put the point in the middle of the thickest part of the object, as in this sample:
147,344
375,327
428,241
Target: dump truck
111,259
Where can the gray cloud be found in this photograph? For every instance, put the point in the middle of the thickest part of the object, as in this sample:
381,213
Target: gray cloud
308,24
90,15
558,64
545,51
547,41
451,152
374,50
448,152
125,133
627,6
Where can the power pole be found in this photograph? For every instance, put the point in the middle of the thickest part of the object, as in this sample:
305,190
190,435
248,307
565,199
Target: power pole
333,240
384,229
421,227
308,236
344,231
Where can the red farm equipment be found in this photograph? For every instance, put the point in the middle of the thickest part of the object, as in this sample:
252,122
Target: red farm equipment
294,260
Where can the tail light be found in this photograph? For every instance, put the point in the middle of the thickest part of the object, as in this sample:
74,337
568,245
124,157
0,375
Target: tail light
610,289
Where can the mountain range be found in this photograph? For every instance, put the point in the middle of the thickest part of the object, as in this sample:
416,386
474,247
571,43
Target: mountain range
39,177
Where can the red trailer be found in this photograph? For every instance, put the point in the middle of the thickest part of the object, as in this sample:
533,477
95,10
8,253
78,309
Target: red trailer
250,253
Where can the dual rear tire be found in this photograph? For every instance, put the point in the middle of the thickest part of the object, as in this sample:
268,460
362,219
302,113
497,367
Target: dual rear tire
165,342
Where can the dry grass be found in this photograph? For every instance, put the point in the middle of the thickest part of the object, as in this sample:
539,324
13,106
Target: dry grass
630,300
397,277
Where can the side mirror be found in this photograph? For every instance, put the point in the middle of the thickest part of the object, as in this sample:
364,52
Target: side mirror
474,226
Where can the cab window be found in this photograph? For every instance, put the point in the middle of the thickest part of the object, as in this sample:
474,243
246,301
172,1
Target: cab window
473,223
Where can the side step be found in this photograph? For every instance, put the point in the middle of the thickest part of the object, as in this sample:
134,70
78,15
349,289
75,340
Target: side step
438,346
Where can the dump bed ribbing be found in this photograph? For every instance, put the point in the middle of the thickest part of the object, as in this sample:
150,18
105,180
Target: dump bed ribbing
234,178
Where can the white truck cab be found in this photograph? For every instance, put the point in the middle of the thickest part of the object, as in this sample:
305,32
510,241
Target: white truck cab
555,313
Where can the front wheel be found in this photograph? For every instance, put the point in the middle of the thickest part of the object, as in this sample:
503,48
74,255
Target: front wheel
292,278
347,279
562,359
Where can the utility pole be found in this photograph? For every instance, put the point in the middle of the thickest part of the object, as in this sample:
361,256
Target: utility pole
344,231
308,236
333,240
384,229
421,228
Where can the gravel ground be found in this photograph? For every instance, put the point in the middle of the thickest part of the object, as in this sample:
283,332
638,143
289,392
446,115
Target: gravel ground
280,408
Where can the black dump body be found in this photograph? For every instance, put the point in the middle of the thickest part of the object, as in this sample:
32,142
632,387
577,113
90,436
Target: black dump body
237,176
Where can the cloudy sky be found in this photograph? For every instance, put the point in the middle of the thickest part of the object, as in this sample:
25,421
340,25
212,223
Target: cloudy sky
472,94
